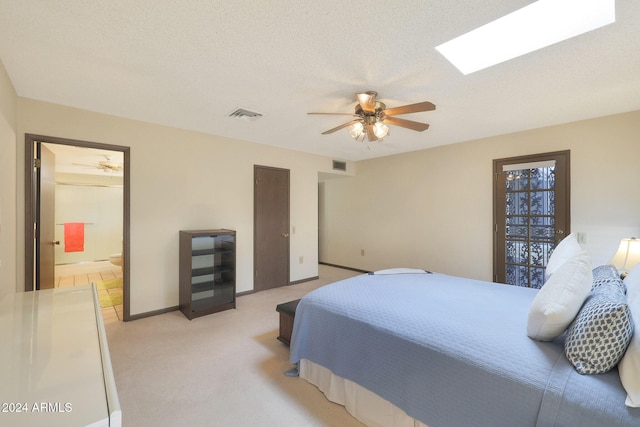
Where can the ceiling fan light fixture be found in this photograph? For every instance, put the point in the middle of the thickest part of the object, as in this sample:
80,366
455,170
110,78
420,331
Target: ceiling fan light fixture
371,118
380,130
356,130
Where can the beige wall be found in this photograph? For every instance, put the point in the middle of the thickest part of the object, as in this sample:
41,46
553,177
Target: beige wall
429,209
8,124
433,209
183,180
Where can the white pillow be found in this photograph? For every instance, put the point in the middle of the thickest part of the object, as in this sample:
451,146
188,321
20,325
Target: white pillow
629,366
566,249
558,301
400,271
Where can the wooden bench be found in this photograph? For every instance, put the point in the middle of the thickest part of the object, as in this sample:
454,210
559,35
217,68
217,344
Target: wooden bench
287,312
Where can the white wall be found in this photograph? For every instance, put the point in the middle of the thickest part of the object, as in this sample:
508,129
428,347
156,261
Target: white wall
433,208
97,201
8,125
183,180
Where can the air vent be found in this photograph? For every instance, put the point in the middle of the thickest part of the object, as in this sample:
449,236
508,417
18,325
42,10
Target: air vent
339,166
241,113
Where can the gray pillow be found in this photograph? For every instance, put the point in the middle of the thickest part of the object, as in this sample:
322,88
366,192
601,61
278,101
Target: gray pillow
601,332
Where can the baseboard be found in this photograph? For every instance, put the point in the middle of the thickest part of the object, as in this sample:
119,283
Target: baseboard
308,279
359,270
243,293
239,294
151,313
296,282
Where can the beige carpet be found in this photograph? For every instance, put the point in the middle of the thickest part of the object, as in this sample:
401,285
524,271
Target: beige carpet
225,369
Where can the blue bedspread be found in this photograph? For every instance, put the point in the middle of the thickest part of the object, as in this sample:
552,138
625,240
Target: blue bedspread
451,352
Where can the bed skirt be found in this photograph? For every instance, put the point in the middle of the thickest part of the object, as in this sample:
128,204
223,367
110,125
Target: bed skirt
364,405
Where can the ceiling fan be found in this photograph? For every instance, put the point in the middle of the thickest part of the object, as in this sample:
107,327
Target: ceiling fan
106,165
371,117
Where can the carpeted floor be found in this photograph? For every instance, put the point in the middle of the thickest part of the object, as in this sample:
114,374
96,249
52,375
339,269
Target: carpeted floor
224,369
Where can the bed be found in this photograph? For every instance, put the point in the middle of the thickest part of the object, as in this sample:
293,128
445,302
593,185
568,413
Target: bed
415,348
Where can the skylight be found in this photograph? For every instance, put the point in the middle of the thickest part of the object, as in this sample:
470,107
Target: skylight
540,24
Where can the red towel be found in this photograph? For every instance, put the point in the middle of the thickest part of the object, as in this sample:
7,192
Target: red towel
74,236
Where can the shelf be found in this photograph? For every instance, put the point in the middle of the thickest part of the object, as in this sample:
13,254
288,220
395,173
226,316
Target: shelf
207,271
211,251
225,296
209,286
216,269
210,305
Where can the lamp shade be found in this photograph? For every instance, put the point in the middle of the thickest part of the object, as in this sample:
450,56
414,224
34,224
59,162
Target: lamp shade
627,255
380,130
356,130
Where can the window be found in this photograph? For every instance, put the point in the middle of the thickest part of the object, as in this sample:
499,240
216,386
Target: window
531,213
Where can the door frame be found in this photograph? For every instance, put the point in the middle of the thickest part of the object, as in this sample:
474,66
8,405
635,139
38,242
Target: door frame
563,182
32,203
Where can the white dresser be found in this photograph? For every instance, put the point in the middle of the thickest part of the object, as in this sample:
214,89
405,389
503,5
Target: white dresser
55,368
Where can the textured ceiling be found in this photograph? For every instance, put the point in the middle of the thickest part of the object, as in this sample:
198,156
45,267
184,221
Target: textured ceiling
188,64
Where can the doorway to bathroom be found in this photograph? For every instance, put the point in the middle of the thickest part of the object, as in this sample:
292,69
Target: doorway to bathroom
77,219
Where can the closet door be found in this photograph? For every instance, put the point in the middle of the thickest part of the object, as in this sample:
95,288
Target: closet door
271,227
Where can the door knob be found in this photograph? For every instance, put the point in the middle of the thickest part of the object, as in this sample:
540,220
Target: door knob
57,242
285,234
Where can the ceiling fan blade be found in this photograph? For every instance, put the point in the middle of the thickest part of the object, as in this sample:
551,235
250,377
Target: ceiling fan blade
342,126
86,165
335,114
409,124
412,108
367,101
371,136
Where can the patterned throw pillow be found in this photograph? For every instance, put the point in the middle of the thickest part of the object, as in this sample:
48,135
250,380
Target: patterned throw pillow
601,332
608,275
603,272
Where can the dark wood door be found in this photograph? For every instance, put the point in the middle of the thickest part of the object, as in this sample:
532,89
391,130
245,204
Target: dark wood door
531,212
45,223
271,227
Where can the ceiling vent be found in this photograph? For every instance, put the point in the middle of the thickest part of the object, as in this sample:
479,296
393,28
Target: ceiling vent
339,166
241,113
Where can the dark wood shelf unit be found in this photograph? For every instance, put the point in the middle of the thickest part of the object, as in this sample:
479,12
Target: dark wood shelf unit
207,271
